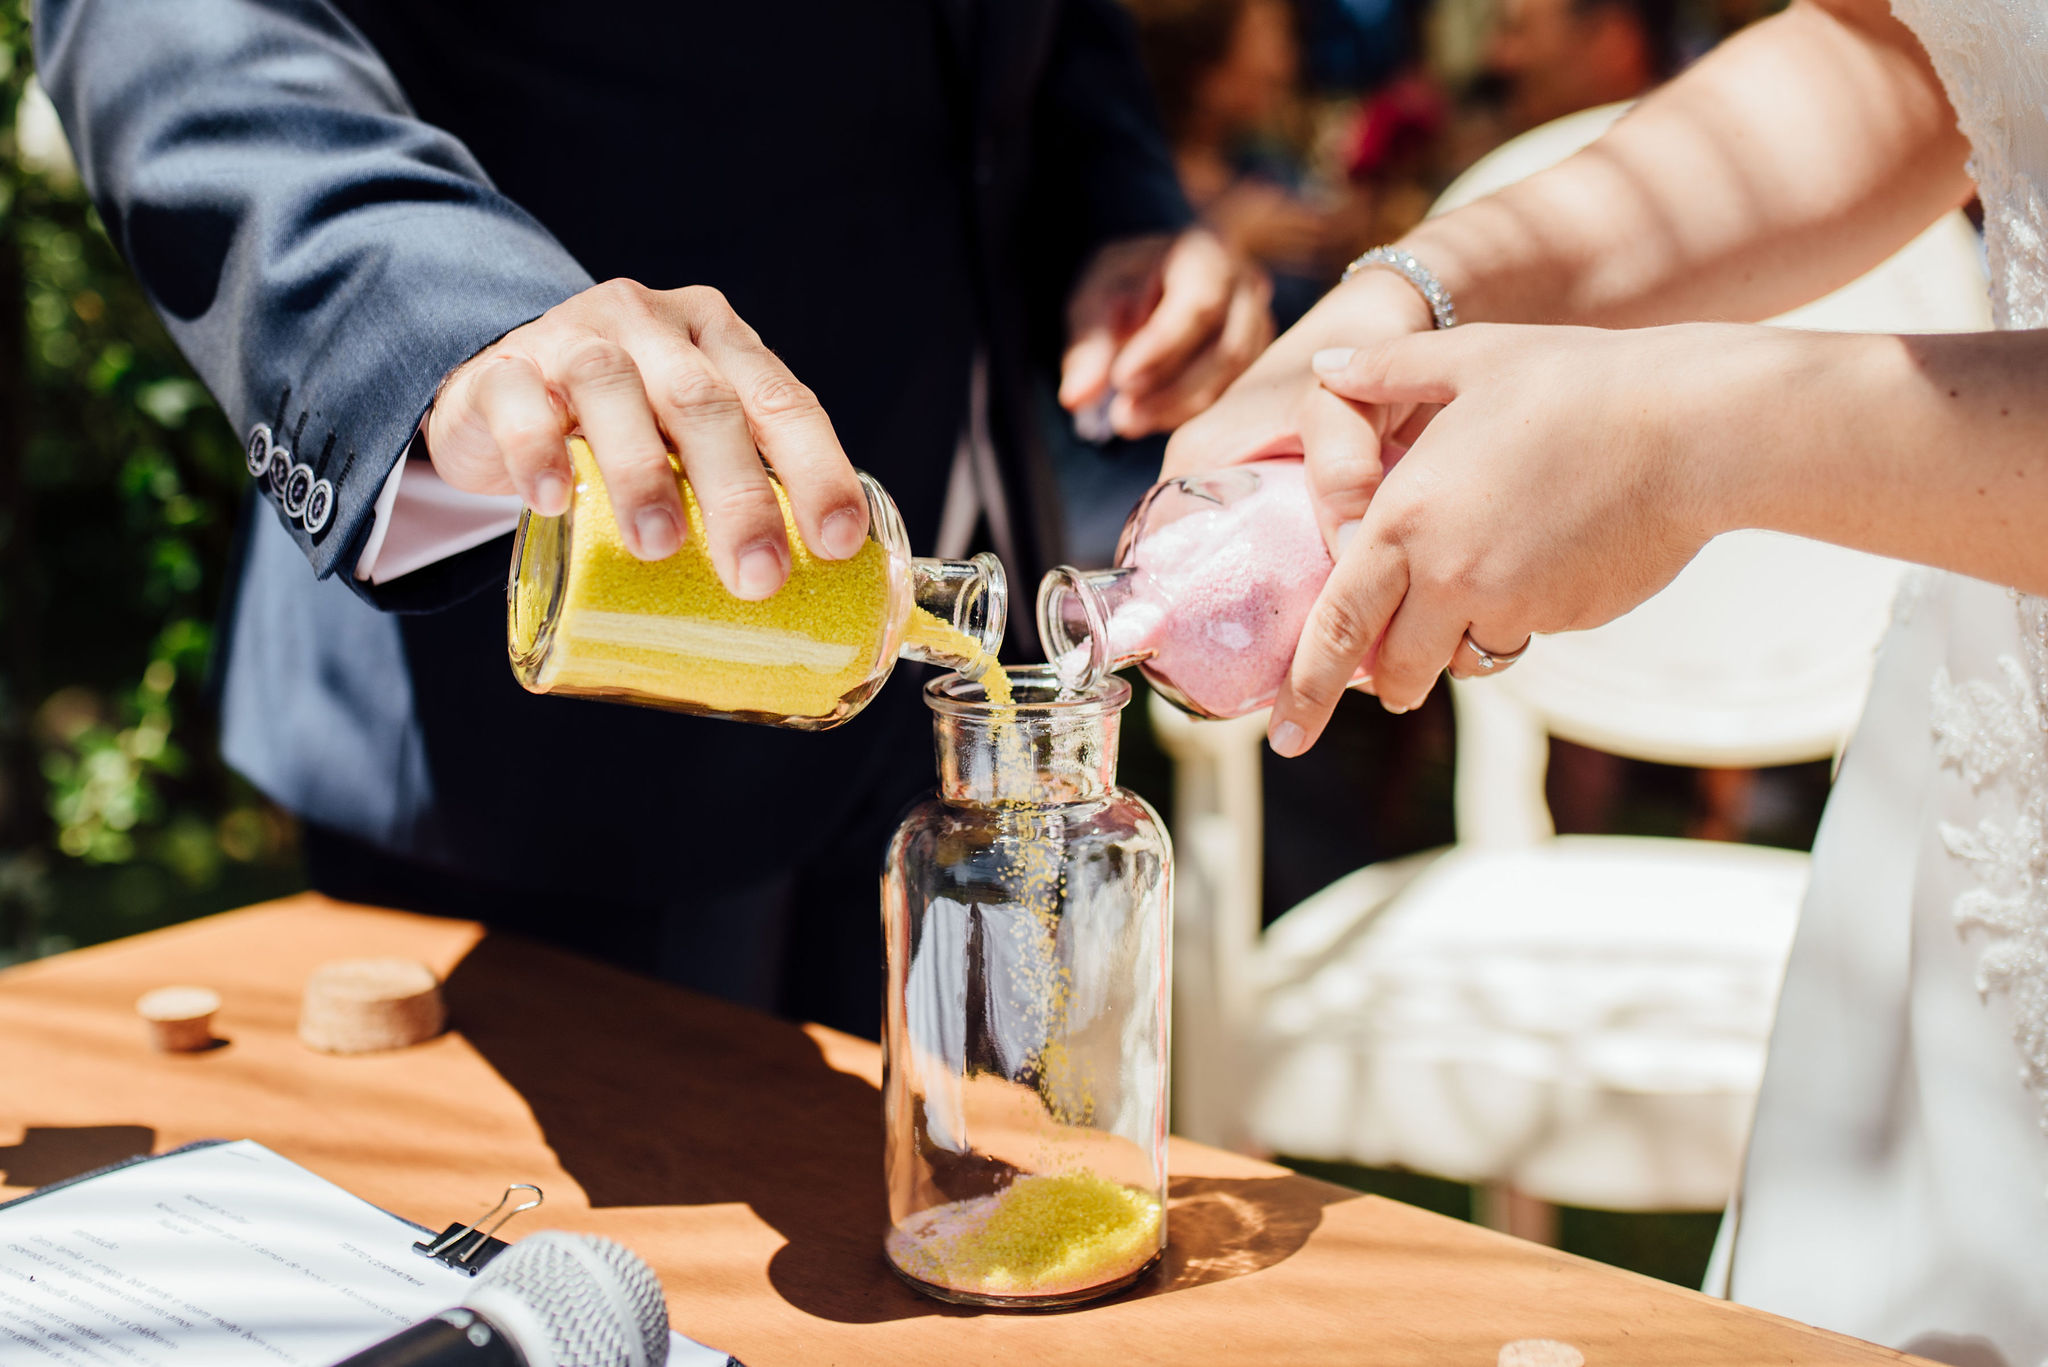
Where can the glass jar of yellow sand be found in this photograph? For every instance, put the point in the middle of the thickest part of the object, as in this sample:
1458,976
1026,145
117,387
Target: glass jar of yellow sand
585,617
1025,906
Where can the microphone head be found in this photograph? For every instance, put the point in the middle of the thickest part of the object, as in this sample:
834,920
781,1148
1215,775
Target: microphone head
575,1300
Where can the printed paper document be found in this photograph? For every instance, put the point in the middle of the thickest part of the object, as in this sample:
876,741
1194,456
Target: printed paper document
225,1256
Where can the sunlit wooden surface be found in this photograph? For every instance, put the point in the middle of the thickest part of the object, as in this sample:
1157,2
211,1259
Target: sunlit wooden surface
742,1157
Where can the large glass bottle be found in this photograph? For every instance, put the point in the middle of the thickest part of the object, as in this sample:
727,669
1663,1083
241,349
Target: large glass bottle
1026,909
1214,580
587,618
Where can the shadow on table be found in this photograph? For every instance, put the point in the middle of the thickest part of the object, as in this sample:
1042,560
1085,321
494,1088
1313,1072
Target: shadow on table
1223,1227
55,1153
651,1097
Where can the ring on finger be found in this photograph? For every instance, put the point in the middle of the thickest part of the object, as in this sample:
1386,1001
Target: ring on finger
1494,661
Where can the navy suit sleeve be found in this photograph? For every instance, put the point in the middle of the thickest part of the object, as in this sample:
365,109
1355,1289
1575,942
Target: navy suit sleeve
321,255
1107,168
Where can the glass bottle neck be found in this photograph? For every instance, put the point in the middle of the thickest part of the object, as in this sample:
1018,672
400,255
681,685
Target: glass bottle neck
1095,622
958,612
1052,747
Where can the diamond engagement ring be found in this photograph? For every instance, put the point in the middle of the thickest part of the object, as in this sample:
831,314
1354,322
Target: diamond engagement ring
1403,263
1494,661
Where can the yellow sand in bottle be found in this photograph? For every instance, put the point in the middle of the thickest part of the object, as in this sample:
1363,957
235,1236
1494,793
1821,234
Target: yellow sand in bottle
1040,1236
667,629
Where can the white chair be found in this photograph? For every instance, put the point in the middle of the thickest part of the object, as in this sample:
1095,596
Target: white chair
1578,1019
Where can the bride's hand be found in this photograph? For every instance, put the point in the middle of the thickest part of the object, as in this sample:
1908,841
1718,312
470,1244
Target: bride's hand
1570,473
1279,408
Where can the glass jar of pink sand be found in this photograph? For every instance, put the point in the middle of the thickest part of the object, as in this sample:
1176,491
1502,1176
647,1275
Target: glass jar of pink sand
1025,906
1215,577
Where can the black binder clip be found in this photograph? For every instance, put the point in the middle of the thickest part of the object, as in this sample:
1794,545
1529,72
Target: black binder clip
469,1248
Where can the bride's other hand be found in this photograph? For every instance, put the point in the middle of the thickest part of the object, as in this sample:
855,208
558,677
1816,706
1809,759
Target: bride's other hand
1566,478
1280,408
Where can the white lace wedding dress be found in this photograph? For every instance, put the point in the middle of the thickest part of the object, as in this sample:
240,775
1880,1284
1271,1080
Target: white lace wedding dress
1897,1182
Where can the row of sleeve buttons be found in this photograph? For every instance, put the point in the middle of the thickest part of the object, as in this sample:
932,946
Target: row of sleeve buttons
306,499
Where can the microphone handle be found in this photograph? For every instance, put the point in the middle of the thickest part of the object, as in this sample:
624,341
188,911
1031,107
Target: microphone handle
441,1342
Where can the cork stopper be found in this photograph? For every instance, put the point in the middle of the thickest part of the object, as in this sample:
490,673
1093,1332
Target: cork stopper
1540,1353
180,1018
361,1006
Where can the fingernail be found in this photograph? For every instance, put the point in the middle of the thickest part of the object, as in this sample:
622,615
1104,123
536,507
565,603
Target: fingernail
1122,414
760,573
1287,739
1332,358
842,535
1092,425
1393,708
659,534
550,494
1345,531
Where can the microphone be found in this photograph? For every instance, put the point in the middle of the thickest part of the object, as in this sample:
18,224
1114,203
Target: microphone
550,1300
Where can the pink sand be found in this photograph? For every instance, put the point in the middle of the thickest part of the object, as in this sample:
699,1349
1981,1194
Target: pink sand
1225,593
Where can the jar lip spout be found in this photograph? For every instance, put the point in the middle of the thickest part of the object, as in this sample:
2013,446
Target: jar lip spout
1036,690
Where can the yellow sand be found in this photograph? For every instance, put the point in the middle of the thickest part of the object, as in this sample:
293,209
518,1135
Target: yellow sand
943,638
667,629
1041,1236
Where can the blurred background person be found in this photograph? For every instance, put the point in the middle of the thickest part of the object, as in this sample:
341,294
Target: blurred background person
1549,58
1230,79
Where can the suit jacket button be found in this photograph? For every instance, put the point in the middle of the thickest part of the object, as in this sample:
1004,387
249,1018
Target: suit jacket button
279,472
259,450
298,487
319,507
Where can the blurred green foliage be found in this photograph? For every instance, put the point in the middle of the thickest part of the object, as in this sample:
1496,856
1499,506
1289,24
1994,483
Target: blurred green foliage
119,483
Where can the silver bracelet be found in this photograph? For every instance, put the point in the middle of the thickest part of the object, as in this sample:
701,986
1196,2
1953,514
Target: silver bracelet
1404,263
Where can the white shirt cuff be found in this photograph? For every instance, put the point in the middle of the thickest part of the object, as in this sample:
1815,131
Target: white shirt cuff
419,520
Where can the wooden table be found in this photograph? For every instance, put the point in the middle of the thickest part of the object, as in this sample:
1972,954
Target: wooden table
741,1156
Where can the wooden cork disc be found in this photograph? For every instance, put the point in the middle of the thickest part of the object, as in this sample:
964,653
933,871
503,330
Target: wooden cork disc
180,1018
361,1006
1540,1353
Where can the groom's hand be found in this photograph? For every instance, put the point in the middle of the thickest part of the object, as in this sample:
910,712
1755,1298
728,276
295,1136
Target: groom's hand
1160,325
641,372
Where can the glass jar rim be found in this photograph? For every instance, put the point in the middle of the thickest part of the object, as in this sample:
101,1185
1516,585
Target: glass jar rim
957,695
